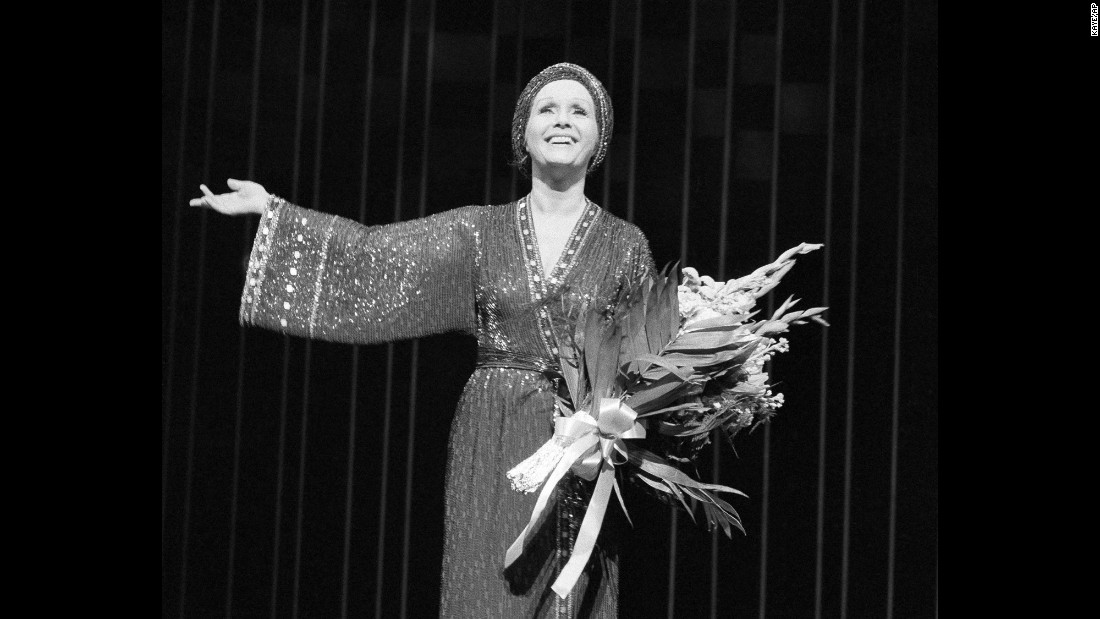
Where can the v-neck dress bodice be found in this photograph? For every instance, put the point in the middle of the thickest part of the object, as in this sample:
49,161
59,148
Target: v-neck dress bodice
562,260
474,269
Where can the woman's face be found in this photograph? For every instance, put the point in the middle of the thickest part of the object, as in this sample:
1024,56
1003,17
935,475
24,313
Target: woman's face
562,128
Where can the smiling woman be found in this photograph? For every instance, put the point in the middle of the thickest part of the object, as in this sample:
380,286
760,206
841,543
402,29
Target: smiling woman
565,85
516,276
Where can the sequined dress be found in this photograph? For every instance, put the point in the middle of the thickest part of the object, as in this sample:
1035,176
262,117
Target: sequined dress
474,269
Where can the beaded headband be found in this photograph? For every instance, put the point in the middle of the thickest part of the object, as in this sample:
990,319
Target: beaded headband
561,71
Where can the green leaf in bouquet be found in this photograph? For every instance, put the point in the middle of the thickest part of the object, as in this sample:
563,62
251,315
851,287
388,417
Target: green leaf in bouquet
652,319
577,373
718,512
733,365
619,495
593,338
634,317
683,430
714,514
631,346
638,335
649,302
670,409
572,379
685,360
680,495
648,358
566,406
721,323
662,309
654,373
693,503
703,360
672,301
580,336
742,354
656,466
725,508
607,361
652,482
713,519
728,510
662,393
707,340
696,427
583,389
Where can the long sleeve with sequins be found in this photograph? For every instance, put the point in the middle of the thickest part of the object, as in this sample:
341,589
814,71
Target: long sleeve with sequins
325,277
638,262
641,260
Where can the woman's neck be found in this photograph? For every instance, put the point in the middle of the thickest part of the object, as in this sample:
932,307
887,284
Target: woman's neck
558,199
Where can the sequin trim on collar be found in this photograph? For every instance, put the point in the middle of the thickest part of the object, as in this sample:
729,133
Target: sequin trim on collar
538,284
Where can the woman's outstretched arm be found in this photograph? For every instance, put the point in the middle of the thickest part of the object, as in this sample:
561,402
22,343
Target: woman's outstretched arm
321,276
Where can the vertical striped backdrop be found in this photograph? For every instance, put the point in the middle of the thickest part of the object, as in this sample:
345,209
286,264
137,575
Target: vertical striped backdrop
304,479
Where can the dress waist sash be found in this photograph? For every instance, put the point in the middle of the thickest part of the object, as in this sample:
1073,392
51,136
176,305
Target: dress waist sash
494,358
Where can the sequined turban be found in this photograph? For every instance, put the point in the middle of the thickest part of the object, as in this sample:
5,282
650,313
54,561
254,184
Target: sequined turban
561,71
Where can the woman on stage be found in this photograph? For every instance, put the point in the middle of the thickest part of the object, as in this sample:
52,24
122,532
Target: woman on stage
513,275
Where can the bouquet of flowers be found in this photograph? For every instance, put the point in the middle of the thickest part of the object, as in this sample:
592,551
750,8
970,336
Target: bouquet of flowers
676,360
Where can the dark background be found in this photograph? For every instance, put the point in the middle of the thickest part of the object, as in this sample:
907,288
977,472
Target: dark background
296,480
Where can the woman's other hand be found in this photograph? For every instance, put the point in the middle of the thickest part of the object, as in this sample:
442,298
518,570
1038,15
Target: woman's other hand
246,197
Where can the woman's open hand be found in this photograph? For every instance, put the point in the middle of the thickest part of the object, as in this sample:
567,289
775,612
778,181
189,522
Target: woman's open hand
246,197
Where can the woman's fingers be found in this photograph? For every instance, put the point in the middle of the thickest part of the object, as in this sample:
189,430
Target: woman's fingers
239,200
209,199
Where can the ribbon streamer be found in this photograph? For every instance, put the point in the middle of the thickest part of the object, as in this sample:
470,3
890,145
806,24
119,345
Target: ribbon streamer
591,453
